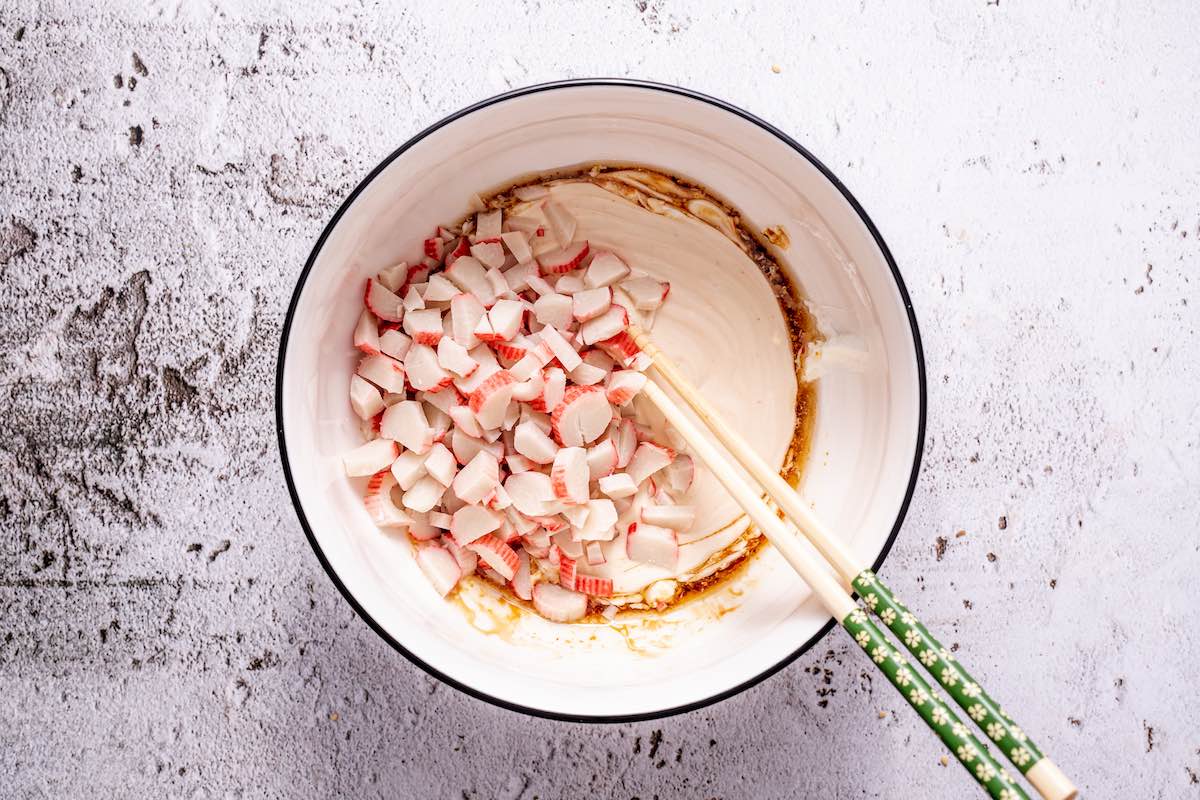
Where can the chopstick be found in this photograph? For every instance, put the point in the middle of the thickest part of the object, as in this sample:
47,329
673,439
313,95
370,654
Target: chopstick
1040,771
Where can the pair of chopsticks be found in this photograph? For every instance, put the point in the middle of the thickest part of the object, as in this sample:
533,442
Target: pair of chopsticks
836,596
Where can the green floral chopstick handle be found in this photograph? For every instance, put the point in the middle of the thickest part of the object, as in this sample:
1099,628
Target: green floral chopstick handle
969,751
957,682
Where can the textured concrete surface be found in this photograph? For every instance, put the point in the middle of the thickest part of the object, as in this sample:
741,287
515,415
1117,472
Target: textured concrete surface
164,169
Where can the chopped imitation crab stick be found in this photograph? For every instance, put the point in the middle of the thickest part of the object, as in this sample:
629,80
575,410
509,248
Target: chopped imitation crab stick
408,468
618,485
439,290
590,303
601,521
439,567
518,244
496,554
489,254
395,344
563,351
532,443
423,370
421,529
366,334
505,320
370,458
647,294
609,324
623,385
382,302
470,523
424,494
626,442
586,374
521,584
569,475
602,459
490,400
558,604
453,357
424,326
566,568
477,478
384,372
378,500
394,277
651,544
605,270
564,260
680,473
553,391
464,420
570,283
678,518
365,399
582,416
470,276
467,560
413,301
562,223
594,586
513,350
530,492
488,225
440,463
434,248
648,459
465,313
554,309
621,347
406,423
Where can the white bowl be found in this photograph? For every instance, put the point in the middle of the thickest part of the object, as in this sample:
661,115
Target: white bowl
866,443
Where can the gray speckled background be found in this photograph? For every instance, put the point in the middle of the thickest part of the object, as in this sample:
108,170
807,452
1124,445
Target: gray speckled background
164,170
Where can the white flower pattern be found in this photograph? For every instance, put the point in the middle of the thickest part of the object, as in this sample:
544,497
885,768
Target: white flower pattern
995,731
940,716
908,619
1020,756
1018,734
960,730
967,753
879,655
863,638
903,677
928,657
984,771
888,616
912,638
970,689
949,677
945,654
977,712
918,697
871,599
858,616
1007,794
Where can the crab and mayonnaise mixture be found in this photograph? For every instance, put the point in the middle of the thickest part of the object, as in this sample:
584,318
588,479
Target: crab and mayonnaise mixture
499,391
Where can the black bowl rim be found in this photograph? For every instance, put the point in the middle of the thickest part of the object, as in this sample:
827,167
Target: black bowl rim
535,89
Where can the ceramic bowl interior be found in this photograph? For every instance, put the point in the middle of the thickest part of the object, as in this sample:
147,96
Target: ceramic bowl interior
865,447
